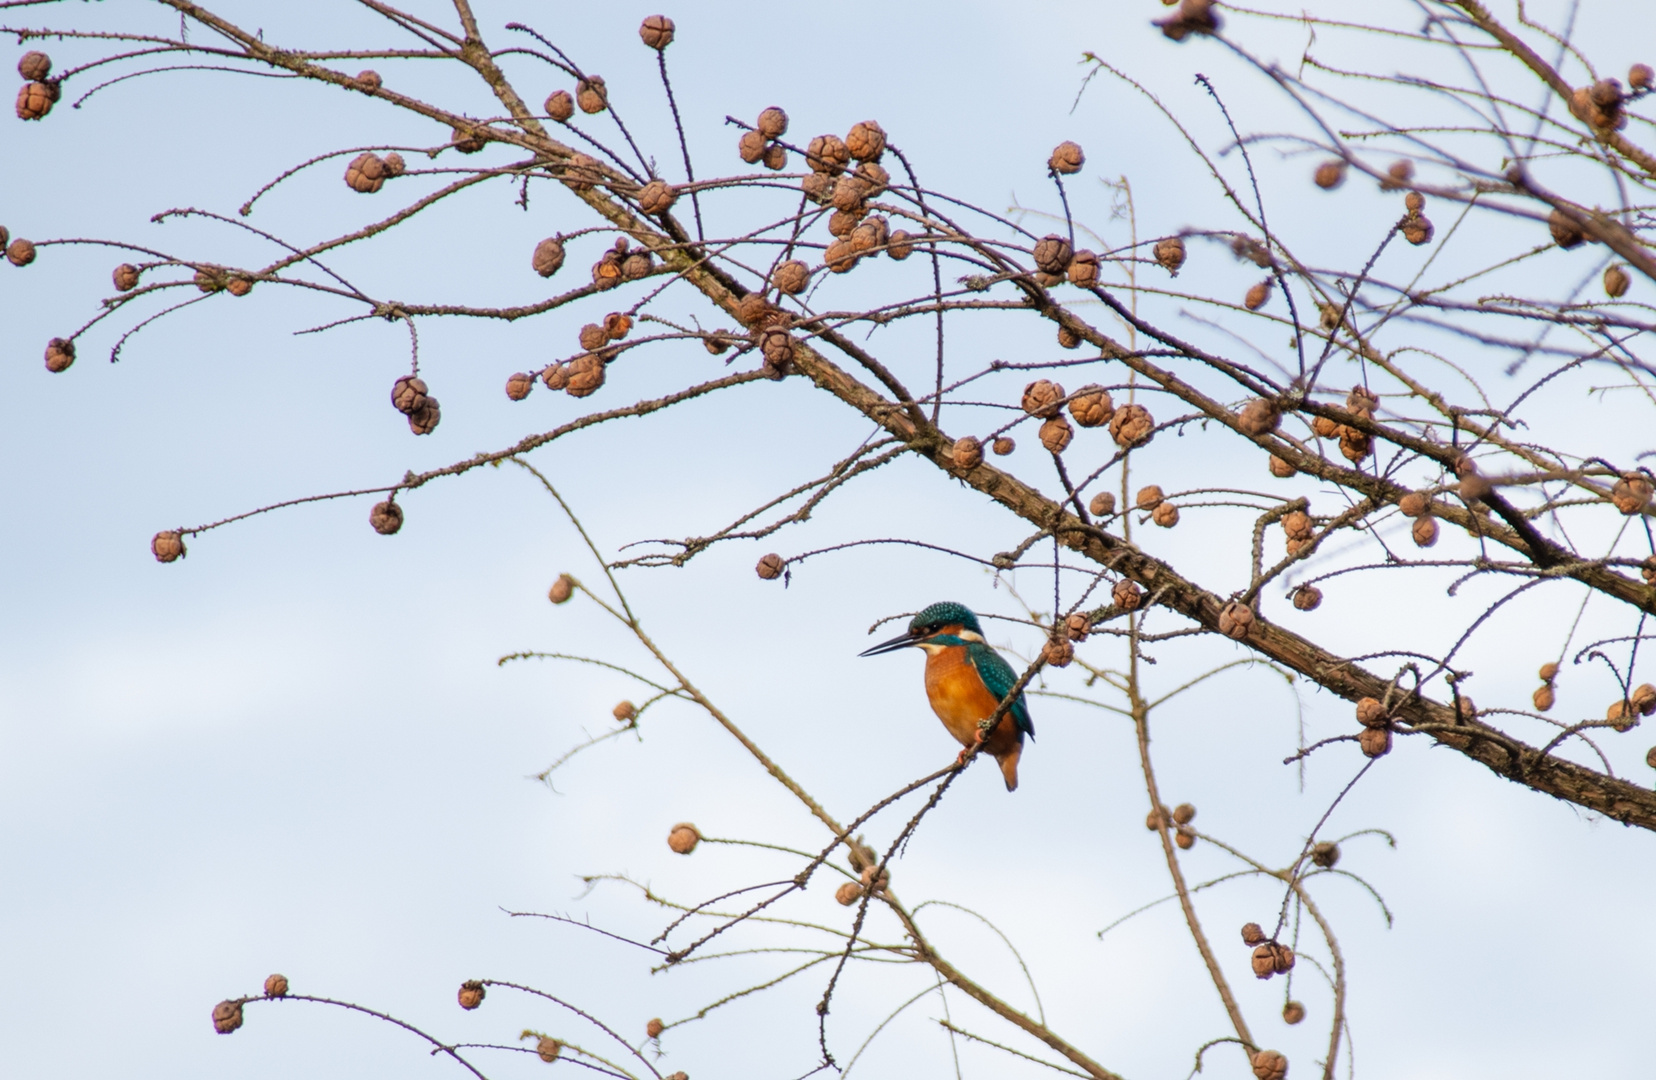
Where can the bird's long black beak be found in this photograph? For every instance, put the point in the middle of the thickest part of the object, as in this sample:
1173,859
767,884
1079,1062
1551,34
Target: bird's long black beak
900,641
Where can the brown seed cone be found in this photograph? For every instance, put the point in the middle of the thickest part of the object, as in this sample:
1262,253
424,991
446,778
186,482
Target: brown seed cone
1102,505
471,994
1565,232
683,838
1068,339
791,278
1307,597
1263,962
850,193
593,337
1622,717
1548,671
1003,445
1650,757
1184,814
1355,445
1067,158
560,105
1647,570
625,712
1083,269
607,272
548,1049
1297,524
1415,504
818,187
276,986
238,286
34,66
1616,282
866,141
777,347
424,420
555,376
1544,697
1425,531
1056,434
586,374
1052,254
1259,417
770,567
1417,229
1398,174
60,353
1375,742
20,252
1046,280
637,265
753,309
1270,1064
227,1017
1325,854
125,277
775,157
1324,428
900,244
1639,76
1280,468
1091,406
1184,838
1149,497
657,197
466,140
751,147
1644,698
1057,653
1258,293
548,257
1043,397
654,1028
386,518
848,893
617,325
167,546
967,452
874,177
1153,820
840,257
1329,175
1132,425
1236,620
656,31
1295,546
1170,253
35,99
408,394
1126,595
591,94
773,123
868,236
1293,1012
842,223
209,280
561,590
1631,494
367,81
1473,487
1077,626
1252,934
1414,202
828,154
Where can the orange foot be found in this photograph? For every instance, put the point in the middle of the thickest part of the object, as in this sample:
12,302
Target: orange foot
960,759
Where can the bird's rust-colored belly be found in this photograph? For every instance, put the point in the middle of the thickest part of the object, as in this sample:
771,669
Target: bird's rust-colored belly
959,697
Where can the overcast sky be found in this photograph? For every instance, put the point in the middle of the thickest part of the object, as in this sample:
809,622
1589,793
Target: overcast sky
293,750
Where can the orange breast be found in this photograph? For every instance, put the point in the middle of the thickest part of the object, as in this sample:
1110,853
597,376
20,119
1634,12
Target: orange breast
957,695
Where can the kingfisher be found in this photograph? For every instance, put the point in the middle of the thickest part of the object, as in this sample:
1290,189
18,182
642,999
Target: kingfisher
966,681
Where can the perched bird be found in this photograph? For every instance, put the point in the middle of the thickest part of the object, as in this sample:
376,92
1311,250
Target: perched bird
965,681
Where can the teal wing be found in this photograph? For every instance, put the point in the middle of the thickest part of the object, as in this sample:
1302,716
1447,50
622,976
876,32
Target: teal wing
999,677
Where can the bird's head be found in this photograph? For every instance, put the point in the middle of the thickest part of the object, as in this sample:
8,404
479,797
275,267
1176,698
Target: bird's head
945,623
